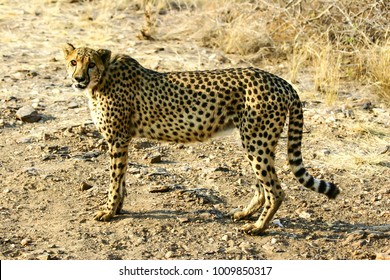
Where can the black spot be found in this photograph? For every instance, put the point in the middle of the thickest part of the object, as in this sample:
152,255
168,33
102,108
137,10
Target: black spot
297,153
309,184
300,172
322,187
295,162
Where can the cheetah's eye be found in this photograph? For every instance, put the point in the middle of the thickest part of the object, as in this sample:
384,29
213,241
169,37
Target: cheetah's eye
73,62
91,65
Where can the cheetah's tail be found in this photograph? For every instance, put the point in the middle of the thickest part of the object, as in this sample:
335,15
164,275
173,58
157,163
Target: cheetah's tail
295,129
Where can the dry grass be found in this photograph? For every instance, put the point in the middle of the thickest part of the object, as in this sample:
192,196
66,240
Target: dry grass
378,65
327,67
341,40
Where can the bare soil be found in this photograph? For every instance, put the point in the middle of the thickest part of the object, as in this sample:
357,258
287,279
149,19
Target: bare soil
54,172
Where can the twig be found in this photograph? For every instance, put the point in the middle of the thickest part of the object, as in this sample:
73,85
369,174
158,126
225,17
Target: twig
320,15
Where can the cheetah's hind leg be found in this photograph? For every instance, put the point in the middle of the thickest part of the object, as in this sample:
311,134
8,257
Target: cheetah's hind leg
254,206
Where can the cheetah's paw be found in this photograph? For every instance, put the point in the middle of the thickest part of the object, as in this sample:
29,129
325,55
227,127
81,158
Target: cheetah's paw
104,215
237,214
252,229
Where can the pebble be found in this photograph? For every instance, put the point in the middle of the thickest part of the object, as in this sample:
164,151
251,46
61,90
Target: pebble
44,257
183,219
73,105
155,159
85,186
278,223
28,114
24,140
169,254
303,214
225,237
159,189
25,242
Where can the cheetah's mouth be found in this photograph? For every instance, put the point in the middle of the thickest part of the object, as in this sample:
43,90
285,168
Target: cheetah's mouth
80,86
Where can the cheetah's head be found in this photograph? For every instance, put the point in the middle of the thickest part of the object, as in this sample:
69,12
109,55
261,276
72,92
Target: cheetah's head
85,66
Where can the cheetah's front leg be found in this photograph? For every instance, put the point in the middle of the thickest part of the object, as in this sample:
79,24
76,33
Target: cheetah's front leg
117,191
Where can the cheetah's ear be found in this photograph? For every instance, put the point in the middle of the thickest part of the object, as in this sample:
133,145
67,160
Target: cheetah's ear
67,49
105,56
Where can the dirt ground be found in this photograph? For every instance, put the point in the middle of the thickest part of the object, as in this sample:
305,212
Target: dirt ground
54,172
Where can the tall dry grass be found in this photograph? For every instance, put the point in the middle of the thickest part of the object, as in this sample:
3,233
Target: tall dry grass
339,39
377,61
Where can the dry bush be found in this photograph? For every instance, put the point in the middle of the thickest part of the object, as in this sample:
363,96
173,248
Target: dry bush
377,61
329,35
327,67
234,28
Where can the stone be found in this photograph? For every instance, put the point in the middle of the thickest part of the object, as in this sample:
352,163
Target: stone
155,159
25,242
85,186
24,140
73,105
28,114
159,189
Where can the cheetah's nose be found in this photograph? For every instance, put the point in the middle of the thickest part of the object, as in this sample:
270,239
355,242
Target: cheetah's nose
80,79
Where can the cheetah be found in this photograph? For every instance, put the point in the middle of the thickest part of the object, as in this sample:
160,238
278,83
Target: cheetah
127,100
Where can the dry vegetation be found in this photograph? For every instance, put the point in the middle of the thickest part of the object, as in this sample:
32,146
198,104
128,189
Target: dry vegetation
343,40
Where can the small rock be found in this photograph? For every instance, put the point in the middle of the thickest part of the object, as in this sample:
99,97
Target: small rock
183,219
303,214
155,159
85,186
278,223
24,140
44,257
159,189
169,254
28,114
73,105
25,242
225,237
